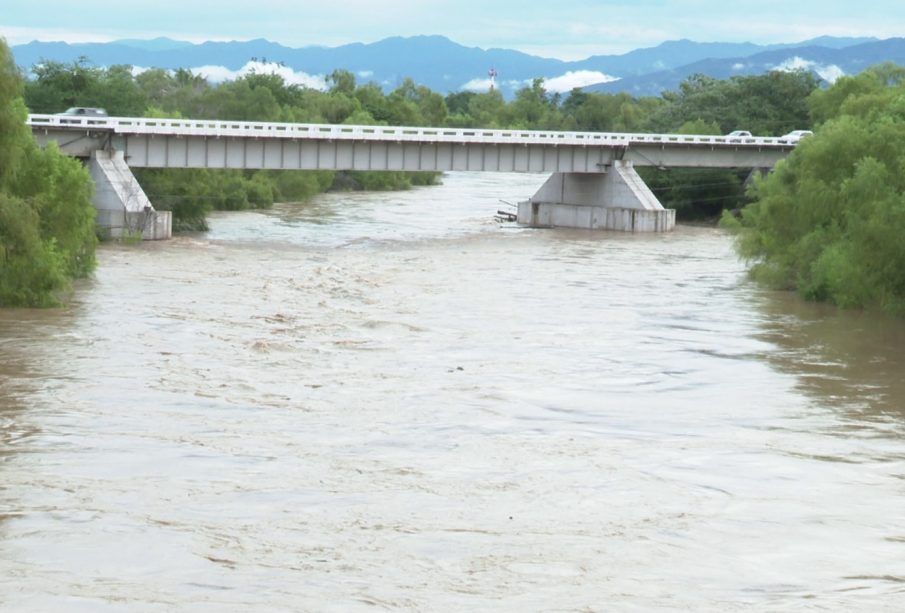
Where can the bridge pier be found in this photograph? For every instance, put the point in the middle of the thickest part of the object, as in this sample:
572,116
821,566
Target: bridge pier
615,199
123,208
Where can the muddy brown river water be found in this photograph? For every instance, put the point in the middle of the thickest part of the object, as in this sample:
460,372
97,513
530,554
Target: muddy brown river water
389,402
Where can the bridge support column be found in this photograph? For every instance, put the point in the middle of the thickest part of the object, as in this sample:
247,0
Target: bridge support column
616,199
123,208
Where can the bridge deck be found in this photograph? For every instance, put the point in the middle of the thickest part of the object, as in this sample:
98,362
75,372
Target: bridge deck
193,143
256,129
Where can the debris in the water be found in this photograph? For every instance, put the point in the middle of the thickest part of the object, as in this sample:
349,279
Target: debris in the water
506,216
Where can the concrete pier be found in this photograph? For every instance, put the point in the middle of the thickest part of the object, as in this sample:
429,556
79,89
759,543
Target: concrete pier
123,208
614,199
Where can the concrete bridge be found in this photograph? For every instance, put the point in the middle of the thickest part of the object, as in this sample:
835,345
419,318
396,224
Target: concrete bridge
593,183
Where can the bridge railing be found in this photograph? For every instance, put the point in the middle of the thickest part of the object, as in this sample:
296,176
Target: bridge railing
244,129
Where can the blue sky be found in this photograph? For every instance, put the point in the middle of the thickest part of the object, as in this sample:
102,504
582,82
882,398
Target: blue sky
566,29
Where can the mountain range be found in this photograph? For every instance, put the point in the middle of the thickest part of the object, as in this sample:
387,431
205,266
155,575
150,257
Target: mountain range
446,66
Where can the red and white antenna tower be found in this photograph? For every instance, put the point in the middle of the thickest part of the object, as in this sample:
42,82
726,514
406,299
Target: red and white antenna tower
492,74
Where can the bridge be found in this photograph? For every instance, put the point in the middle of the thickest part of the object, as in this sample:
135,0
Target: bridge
593,183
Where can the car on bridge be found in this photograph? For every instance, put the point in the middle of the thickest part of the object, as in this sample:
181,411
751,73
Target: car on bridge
79,112
84,111
796,135
738,134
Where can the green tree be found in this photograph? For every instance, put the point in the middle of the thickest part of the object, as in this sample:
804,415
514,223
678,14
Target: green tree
342,82
373,102
869,87
768,104
601,112
122,95
14,134
46,216
242,100
59,189
416,105
457,102
157,85
31,269
532,108
487,110
58,86
829,220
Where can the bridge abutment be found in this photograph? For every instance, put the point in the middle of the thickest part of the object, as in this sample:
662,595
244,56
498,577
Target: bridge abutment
616,199
123,208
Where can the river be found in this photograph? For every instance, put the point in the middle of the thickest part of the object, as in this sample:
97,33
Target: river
390,401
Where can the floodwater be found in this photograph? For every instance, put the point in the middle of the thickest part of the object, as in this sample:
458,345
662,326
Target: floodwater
390,402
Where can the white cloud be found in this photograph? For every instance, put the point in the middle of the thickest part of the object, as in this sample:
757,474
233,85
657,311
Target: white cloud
827,73
365,74
561,84
217,74
477,85
738,66
578,78
483,85
830,73
15,35
795,63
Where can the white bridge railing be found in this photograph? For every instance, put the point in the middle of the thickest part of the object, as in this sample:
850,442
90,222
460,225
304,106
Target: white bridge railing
257,129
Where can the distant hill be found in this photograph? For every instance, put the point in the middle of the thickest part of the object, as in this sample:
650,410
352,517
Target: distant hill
827,62
446,66
156,44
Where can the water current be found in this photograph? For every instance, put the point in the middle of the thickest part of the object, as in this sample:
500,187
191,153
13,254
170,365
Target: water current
390,401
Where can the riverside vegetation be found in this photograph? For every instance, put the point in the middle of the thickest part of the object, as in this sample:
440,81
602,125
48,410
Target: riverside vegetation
47,232
830,220
824,223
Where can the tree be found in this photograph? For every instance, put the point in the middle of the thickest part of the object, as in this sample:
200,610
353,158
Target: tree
14,134
58,86
531,108
242,100
122,97
46,216
59,189
373,102
850,91
416,105
457,102
342,82
156,84
487,109
829,220
772,103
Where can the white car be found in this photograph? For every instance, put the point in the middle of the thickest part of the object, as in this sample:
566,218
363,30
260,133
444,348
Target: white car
77,114
796,135
738,136
84,111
